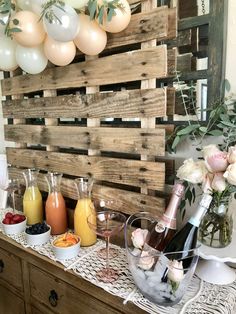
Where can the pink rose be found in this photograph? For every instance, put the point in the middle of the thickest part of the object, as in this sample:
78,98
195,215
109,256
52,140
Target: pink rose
218,183
217,162
210,150
231,156
139,237
206,185
146,261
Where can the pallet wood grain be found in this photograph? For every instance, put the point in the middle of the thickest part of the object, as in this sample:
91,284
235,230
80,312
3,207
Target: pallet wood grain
128,202
126,140
127,103
124,67
143,174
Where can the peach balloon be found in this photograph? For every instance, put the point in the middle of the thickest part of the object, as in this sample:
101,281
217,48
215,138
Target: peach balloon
32,31
119,21
59,53
91,39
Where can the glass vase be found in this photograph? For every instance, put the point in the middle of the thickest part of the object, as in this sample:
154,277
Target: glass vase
217,225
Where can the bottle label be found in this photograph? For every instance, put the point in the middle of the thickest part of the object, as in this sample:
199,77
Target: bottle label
160,227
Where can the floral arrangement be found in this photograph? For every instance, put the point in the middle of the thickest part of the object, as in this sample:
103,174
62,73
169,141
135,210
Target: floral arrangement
216,175
148,260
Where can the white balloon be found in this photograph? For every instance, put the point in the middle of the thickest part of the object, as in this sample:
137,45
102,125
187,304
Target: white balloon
77,4
65,27
31,59
7,54
36,6
24,4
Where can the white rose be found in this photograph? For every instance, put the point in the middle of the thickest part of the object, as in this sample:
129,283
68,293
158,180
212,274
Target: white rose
146,261
175,271
232,154
230,174
191,171
210,150
218,183
139,237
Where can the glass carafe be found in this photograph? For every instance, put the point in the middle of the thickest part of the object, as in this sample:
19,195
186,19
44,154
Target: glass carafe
83,210
55,209
32,200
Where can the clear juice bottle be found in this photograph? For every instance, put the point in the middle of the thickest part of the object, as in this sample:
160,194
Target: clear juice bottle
55,209
84,208
32,200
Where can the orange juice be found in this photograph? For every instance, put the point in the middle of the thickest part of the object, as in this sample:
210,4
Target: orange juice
56,213
83,209
33,205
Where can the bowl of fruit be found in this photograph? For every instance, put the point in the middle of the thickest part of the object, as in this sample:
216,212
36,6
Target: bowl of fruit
37,234
66,246
13,223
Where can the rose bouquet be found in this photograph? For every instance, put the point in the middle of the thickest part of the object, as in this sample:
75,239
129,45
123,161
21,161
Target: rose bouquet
216,175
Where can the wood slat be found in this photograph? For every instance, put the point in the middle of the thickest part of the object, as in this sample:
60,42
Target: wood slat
142,27
143,174
126,140
128,202
123,67
127,103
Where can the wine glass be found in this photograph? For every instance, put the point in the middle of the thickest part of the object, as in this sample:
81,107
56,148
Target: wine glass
105,224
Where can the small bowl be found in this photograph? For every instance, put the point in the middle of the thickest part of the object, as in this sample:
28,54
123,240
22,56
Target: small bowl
68,252
14,228
38,239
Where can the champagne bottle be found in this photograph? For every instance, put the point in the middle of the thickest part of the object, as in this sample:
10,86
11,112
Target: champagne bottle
163,231
186,238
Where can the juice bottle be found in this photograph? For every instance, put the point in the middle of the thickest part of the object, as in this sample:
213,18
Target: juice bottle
32,200
84,208
56,215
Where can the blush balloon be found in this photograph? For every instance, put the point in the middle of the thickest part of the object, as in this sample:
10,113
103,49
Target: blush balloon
31,59
32,31
24,4
36,6
7,54
119,21
65,27
59,53
91,39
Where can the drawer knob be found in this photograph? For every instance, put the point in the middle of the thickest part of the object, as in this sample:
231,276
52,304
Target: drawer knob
53,298
1,266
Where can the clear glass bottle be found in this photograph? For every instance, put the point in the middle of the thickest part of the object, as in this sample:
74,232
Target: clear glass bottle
55,208
32,200
84,208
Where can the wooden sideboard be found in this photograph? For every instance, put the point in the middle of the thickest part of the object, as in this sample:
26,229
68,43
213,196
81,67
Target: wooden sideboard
32,283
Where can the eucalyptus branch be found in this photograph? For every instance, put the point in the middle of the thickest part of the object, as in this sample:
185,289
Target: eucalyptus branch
47,10
6,6
106,9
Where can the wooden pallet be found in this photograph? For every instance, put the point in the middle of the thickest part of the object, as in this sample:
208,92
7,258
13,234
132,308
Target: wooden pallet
120,155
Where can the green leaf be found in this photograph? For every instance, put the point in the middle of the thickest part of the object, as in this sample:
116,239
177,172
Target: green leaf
15,30
203,129
188,129
175,142
215,132
100,15
229,124
189,196
15,22
227,85
111,12
92,7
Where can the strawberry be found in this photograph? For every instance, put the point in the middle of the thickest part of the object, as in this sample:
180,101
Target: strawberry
6,221
9,215
17,218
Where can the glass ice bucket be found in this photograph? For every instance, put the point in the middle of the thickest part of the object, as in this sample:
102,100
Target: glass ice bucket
162,278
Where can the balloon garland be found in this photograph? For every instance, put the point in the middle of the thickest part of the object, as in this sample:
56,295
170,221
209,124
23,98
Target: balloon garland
35,31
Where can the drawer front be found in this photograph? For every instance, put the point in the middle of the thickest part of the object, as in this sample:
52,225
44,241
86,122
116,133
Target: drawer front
10,269
10,303
61,297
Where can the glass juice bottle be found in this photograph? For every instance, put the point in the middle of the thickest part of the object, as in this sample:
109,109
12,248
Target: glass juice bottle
55,209
32,200
84,208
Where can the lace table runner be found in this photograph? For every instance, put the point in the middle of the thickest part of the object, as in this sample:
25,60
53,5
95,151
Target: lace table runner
200,298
